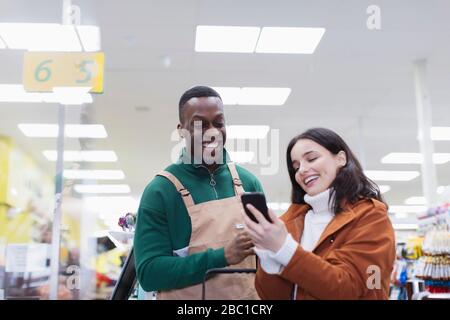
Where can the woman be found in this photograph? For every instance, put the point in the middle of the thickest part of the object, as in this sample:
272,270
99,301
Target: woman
336,240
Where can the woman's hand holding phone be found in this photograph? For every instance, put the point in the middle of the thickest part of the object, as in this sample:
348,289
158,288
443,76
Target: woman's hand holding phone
265,235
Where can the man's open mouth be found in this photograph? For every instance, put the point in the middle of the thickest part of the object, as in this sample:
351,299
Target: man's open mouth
211,144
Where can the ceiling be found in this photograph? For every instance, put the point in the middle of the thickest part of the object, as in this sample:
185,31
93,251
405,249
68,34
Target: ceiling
359,82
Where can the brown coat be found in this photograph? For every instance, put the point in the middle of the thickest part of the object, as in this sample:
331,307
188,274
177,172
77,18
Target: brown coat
339,267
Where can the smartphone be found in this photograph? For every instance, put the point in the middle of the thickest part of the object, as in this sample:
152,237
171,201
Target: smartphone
258,200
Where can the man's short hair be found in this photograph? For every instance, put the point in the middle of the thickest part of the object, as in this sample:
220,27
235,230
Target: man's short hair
195,92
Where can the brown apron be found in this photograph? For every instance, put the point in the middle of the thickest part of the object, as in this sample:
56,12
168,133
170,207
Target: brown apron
214,224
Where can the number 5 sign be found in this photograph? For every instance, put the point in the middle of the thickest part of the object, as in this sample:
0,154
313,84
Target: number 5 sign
42,71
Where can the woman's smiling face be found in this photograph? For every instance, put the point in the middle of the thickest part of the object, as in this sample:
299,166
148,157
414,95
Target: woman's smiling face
315,167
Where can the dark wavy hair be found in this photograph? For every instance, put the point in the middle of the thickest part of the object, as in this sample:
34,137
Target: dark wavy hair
350,184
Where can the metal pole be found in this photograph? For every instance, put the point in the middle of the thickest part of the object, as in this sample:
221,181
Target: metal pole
423,103
66,17
56,226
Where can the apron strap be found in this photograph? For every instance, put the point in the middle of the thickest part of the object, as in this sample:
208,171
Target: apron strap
238,189
185,194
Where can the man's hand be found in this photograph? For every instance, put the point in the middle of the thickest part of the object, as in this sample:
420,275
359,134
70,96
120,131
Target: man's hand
238,249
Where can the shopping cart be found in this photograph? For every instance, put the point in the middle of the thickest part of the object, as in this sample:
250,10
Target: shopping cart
127,279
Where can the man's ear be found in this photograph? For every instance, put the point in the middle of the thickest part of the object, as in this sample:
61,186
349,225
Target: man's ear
342,158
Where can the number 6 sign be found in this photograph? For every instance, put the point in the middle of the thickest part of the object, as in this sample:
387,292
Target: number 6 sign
42,71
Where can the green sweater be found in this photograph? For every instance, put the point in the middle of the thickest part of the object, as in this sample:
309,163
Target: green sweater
163,225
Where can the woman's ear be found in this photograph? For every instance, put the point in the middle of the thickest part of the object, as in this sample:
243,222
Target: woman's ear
341,158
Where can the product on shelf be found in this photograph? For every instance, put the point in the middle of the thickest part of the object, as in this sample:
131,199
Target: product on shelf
434,266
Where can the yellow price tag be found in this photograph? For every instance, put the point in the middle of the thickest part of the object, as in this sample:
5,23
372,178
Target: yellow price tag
42,71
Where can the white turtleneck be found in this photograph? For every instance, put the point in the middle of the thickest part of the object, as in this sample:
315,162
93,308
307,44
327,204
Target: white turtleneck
316,220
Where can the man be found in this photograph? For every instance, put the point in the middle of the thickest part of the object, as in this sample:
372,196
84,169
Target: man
190,215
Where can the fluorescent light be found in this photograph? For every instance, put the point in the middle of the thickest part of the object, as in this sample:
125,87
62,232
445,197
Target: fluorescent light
226,39
16,93
278,205
413,158
90,37
99,188
415,201
86,131
247,132
264,96
399,157
49,37
229,95
440,133
384,188
284,205
40,36
440,158
407,209
253,39
40,130
68,95
401,215
62,95
83,156
242,156
111,205
405,226
94,174
289,40
273,205
383,175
